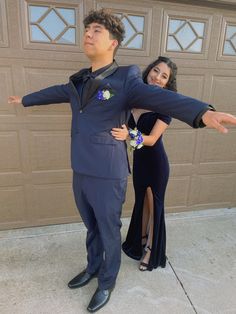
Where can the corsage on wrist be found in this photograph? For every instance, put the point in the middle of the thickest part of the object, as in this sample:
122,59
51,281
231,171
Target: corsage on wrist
136,139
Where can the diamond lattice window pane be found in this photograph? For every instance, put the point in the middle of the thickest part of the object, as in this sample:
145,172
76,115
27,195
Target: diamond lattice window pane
129,30
174,25
137,42
138,22
172,44
230,41
134,30
228,49
52,24
230,31
38,35
233,41
68,37
185,35
35,12
196,46
199,28
68,15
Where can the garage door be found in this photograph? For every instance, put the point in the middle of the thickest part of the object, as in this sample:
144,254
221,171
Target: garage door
40,45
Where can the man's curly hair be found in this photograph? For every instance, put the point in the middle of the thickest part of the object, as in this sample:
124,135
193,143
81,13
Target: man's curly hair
110,21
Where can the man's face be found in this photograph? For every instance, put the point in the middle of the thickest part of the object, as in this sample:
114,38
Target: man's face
98,42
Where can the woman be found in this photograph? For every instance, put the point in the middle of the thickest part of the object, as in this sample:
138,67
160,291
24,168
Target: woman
146,238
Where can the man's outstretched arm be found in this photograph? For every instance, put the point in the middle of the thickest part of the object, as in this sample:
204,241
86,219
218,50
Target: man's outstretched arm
51,95
187,109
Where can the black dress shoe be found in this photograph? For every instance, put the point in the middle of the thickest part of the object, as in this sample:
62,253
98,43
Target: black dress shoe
81,280
99,299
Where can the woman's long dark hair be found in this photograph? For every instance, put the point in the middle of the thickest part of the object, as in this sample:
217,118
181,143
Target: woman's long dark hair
171,84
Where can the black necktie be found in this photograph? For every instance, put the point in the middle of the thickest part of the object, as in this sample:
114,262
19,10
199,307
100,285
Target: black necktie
90,85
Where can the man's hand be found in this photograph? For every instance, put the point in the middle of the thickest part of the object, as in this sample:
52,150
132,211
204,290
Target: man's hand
214,119
14,100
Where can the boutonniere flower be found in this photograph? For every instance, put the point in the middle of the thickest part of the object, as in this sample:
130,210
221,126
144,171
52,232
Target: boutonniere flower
104,94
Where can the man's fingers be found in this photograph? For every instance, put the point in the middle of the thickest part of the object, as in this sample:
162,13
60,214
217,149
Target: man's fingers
230,119
221,128
217,119
14,100
10,99
224,118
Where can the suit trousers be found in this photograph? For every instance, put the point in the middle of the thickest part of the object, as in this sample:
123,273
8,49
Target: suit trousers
99,202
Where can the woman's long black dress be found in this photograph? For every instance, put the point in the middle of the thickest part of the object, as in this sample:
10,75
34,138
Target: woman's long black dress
150,169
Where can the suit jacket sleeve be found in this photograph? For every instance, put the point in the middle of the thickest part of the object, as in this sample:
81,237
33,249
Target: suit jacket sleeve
140,95
51,95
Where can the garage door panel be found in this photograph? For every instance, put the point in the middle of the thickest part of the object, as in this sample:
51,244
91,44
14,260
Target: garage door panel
12,179
13,204
51,176
49,150
6,89
184,169
217,153
49,110
177,193
218,147
180,146
212,191
10,157
3,25
224,93
38,78
53,200
191,85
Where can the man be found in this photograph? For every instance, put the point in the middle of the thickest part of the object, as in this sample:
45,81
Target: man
99,162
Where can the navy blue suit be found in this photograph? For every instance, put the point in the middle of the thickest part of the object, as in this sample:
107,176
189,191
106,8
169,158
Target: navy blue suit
100,162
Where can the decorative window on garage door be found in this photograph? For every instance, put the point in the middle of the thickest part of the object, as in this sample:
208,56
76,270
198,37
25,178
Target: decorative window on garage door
134,30
137,21
185,35
52,24
229,48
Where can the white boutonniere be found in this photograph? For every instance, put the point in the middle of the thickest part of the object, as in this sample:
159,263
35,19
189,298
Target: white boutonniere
104,94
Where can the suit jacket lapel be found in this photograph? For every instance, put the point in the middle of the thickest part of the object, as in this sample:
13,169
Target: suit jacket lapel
93,84
76,79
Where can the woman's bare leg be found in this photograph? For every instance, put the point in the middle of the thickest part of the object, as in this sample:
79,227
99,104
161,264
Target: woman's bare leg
145,220
146,258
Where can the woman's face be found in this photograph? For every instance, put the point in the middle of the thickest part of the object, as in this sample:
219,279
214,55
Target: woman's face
159,75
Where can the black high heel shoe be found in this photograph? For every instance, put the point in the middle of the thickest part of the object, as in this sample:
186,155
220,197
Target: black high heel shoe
144,266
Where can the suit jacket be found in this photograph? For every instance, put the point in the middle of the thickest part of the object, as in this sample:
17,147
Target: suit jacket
94,151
